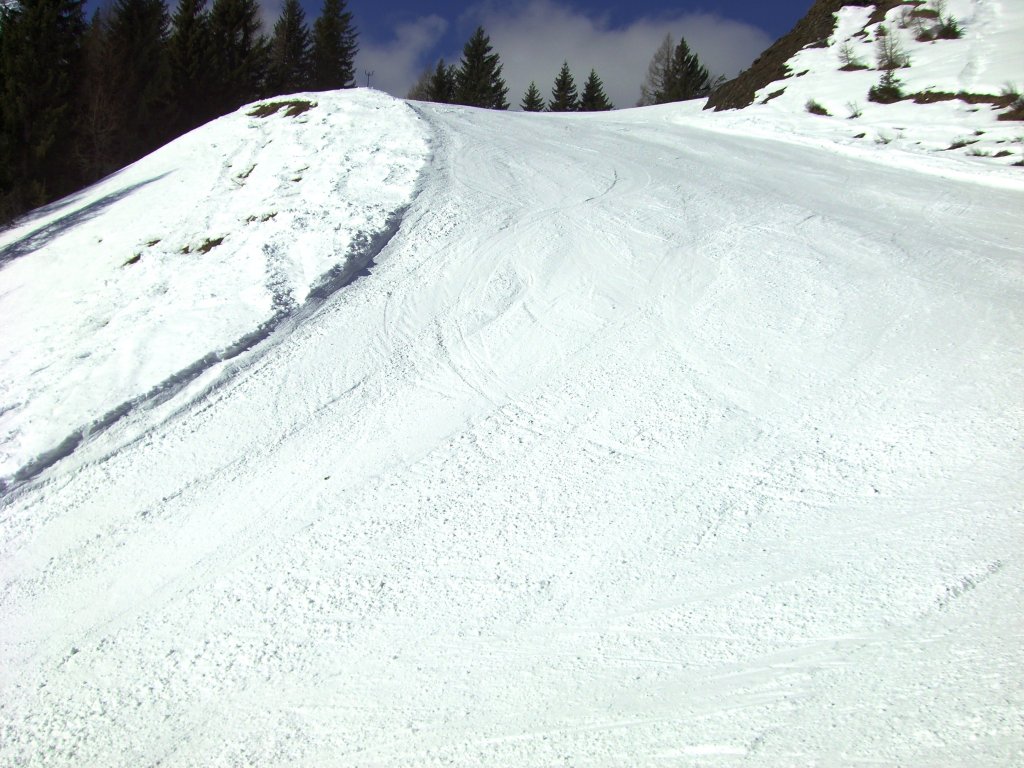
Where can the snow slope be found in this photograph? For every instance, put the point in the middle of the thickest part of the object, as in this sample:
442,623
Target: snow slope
641,444
153,276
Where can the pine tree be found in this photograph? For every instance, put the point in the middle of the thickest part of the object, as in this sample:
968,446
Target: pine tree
478,82
96,149
564,97
594,98
10,197
688,78
40,71
532,100
289,52
137,36
334,48
420,90
189,62
441,88
674,74
240,54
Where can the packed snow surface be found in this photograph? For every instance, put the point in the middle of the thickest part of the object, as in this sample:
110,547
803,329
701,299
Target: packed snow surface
640,443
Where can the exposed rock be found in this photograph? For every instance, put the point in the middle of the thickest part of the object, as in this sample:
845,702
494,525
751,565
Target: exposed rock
812,30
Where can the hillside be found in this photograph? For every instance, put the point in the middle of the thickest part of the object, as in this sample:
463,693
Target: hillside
358,432
960,96
153,277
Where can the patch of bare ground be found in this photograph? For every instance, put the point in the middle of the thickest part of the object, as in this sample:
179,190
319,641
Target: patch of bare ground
292,108
1007,101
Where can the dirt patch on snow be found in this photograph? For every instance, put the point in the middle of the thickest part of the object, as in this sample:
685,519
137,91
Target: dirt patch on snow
292,108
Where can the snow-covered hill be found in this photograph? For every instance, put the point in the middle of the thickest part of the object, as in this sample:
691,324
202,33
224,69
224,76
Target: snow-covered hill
639,443
956,93
120,296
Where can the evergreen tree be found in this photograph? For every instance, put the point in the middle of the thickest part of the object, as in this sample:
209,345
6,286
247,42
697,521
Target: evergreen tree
96,150
190,62
478,82
334,48
289,52
239,54
441,87
674,74
40,71
564,97
532,100
137,37
688,78
420,90
594,98
10,203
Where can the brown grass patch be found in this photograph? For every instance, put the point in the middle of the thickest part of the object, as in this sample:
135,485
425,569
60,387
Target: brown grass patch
208,245
292,108
1016,112
931,97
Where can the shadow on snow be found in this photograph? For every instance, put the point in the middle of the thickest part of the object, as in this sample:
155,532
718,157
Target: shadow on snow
47,233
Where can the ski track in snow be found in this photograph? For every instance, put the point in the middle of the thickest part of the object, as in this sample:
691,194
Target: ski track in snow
642,445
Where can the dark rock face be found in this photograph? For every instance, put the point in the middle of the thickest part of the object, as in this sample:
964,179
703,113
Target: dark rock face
812,30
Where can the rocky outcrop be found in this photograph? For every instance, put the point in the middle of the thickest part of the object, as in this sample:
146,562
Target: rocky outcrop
812,30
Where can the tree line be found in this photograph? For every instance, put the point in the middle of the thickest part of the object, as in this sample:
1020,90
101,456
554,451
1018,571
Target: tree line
80,99
674,74
477,82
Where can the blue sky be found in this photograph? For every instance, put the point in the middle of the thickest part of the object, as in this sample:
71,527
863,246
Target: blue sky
399,38
775,18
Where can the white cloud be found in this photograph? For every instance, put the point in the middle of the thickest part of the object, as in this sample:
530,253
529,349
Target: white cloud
534,38
397,63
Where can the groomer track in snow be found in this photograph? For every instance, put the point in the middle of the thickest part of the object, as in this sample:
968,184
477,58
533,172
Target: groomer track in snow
642,444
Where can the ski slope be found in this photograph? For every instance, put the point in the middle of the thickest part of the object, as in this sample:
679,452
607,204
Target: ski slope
640,443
